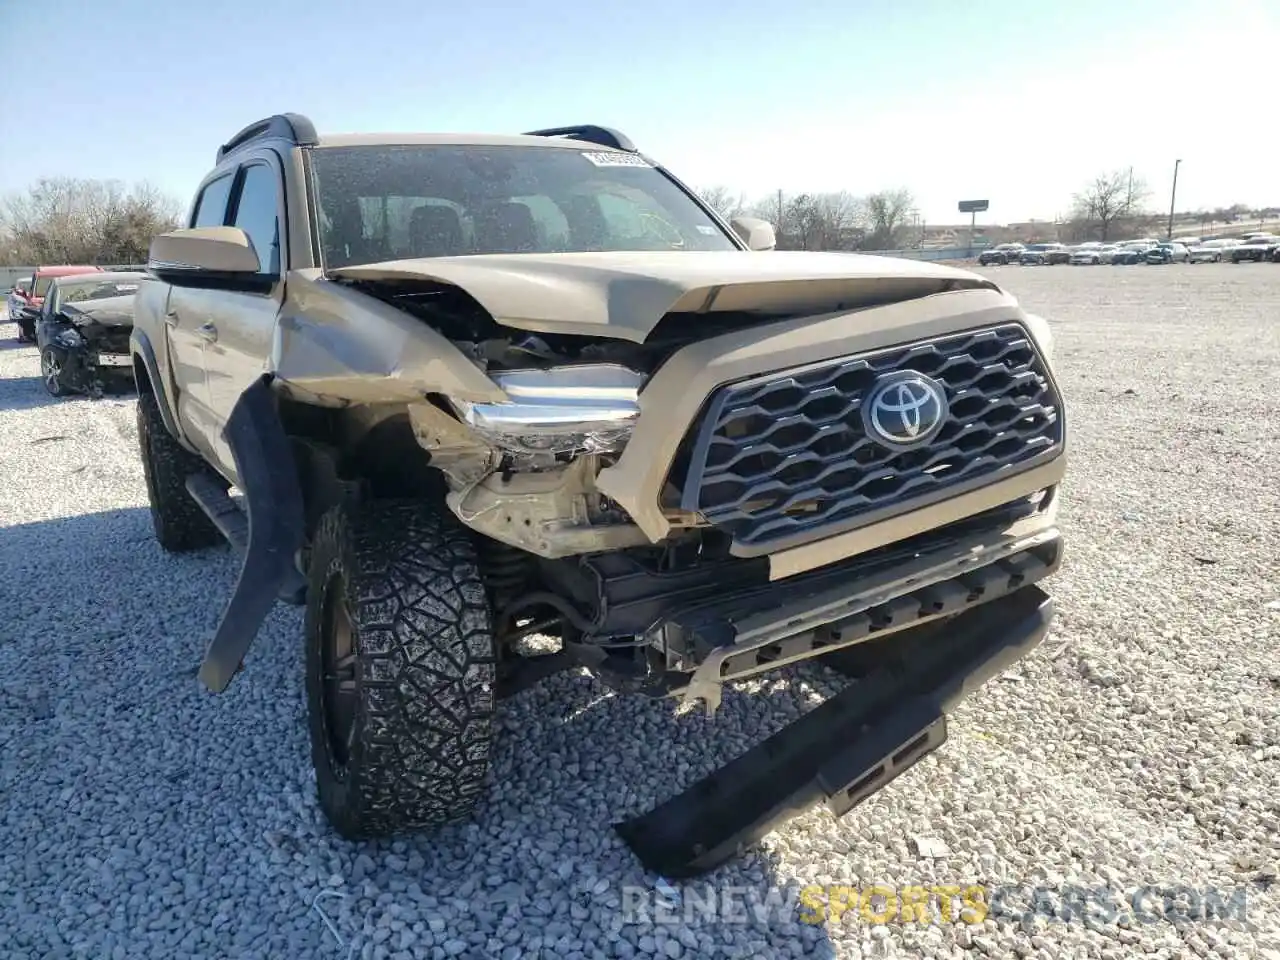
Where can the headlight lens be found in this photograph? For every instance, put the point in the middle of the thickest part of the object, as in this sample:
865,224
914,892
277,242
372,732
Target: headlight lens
590,408
69,338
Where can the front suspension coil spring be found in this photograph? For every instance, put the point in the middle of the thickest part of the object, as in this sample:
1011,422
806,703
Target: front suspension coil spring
505,569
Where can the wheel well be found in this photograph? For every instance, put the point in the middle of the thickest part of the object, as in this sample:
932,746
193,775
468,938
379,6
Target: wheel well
346,454
142,379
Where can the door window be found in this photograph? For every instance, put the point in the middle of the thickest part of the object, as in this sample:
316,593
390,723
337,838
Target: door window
211,209
257,214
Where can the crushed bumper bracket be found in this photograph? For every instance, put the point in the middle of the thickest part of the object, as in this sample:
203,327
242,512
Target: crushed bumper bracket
849,747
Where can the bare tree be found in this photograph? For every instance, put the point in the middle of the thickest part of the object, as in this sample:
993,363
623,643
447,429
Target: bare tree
723,201
66,220
890,214
830,221
1111,200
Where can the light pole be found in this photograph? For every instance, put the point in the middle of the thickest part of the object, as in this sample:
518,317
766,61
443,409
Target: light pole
1173,198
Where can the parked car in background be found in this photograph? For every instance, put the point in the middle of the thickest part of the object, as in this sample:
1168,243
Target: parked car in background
1087,253
41,278
1106,252
16,301
1044,253
1211,251
1001,254
1257,248
1168,251
83,332
1131,252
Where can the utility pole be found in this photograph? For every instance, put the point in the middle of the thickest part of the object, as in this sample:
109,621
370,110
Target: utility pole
1173,198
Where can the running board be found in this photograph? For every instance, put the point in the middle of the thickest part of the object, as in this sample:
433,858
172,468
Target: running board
267,533
233,523
848,748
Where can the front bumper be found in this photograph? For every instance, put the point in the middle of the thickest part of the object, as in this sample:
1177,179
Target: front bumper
747,632
847,749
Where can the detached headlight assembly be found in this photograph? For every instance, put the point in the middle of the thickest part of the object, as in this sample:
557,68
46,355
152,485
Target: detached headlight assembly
590,408
69,338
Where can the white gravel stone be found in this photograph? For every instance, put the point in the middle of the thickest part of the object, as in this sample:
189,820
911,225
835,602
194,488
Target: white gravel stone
142,816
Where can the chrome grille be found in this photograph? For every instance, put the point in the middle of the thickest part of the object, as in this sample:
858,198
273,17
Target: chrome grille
786,455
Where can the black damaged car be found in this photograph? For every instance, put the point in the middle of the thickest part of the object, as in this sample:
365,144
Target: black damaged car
83,333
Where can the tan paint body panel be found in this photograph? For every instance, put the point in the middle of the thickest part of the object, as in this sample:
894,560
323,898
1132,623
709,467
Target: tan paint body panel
624,295
786,563
671,401
340,345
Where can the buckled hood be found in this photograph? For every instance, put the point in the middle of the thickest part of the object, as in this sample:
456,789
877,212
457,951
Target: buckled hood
625,294
108,311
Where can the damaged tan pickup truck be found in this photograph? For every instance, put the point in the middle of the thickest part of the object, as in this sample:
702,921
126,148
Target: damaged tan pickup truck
473,389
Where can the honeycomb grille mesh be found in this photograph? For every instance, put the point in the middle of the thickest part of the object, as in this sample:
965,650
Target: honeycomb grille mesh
787,454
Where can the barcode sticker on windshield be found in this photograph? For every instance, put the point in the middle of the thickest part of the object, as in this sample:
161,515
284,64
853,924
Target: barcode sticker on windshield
617,160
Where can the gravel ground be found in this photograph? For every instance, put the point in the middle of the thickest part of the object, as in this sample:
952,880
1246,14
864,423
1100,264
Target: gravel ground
1139,746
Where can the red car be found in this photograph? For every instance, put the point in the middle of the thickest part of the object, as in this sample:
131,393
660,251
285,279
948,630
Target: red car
40,280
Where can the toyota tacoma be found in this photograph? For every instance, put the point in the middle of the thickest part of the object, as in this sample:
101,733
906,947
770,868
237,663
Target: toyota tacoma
452,392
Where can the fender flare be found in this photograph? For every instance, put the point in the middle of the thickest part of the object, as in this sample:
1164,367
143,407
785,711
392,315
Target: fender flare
145,353
275,529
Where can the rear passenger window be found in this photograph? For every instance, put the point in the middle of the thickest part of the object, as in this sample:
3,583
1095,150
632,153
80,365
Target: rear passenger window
257,214
211,210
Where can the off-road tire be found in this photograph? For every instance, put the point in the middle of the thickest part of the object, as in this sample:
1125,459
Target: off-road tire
179,523
423,667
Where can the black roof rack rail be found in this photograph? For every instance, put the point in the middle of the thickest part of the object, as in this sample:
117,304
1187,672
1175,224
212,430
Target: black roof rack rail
293,127
604,136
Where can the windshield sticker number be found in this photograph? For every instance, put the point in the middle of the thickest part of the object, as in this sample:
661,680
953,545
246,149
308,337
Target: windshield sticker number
617,160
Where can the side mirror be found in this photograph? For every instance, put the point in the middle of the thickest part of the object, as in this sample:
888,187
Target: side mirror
214,257
755,233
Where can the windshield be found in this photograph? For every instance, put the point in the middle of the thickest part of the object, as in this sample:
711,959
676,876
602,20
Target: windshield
75,291
394,202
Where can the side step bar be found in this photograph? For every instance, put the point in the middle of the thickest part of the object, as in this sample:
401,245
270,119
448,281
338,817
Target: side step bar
233,523
846,749
268,533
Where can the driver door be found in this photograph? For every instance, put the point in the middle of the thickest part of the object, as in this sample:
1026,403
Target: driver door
186,324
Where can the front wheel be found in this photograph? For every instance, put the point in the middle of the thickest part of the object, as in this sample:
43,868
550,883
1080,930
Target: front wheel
179,522
400,669
53,361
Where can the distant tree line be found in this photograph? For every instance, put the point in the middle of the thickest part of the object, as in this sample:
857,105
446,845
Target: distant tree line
1115,206
828,221
1112,206
67,220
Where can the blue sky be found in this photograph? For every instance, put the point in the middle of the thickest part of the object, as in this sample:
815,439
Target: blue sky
1018,103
